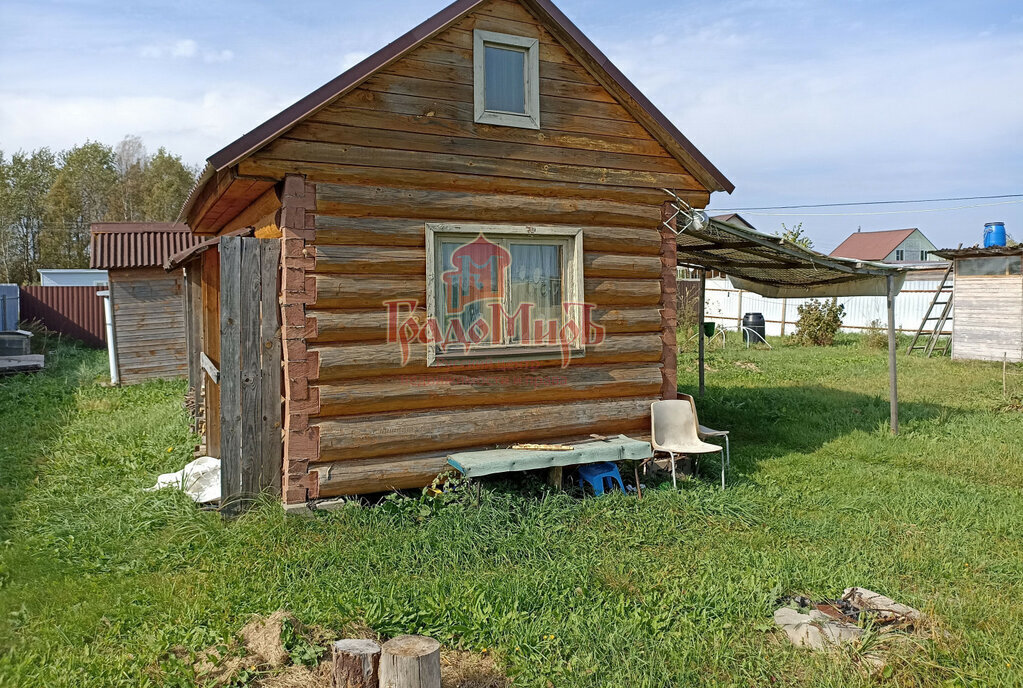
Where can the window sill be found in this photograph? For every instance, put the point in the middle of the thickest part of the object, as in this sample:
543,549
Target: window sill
504,353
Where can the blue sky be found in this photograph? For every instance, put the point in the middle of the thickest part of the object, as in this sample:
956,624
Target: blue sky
797,102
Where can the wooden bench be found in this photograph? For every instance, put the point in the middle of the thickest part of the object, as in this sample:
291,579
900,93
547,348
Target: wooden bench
489,462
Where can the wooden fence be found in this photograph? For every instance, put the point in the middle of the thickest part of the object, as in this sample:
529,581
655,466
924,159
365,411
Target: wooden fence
73,311
250,370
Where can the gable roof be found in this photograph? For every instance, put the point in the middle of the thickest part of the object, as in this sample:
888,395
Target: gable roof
872,245
733,218
659,126
125,245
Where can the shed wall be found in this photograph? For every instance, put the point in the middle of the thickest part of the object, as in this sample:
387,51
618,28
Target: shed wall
149,326
988,320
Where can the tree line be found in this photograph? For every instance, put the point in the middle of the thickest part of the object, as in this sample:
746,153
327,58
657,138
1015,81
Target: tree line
48,200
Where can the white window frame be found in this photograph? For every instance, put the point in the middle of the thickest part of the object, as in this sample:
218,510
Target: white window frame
530,46
571,284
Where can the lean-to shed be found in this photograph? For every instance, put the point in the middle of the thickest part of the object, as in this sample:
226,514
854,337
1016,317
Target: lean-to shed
987,298
145,302
472,251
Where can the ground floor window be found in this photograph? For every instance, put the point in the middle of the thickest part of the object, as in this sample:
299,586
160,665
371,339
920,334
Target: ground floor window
504,290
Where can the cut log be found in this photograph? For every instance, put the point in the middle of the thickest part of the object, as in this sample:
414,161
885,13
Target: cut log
356,664
410,661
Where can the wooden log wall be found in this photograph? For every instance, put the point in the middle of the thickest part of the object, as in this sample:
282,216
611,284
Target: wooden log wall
402,150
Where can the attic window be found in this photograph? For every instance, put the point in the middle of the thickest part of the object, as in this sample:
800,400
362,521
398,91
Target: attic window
506,79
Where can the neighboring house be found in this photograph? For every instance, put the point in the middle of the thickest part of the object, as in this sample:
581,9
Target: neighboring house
146,302
72,278
490,158
735,219
888,246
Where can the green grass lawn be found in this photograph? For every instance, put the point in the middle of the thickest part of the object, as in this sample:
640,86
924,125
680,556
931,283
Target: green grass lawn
100,580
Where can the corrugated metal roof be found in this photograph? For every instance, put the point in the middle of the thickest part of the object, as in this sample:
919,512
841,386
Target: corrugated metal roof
980,252
121,245
871,245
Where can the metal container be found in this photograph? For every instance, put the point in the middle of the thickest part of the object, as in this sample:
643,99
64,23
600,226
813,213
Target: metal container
994,234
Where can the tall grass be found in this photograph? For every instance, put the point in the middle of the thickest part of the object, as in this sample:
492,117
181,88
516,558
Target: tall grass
100,580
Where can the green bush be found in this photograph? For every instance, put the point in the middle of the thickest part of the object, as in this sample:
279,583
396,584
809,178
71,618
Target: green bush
818,322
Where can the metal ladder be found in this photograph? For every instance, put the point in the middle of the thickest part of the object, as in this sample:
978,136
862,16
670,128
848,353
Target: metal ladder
942,319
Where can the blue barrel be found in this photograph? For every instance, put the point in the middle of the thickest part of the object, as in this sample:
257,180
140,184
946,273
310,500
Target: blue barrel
994,234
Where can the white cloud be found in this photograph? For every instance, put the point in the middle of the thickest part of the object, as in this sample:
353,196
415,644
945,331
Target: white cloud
185,47
193,127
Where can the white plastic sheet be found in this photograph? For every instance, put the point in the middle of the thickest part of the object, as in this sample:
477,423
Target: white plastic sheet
199,479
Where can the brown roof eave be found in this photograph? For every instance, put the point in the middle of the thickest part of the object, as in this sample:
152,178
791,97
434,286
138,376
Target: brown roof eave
182,257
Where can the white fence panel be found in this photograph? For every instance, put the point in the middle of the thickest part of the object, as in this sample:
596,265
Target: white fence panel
726,305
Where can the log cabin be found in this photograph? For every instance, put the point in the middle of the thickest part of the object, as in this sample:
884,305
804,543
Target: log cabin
472,249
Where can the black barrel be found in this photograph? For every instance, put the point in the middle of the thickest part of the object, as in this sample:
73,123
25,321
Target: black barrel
754,328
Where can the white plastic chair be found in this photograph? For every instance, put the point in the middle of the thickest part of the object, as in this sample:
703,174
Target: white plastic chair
705,433
673,429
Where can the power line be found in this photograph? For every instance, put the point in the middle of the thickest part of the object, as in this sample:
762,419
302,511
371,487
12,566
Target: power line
850,215
837,205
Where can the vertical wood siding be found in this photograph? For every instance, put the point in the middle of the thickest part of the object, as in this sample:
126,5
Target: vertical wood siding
149,324
988,321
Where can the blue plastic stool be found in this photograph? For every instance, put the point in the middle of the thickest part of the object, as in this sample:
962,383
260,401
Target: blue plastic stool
596,473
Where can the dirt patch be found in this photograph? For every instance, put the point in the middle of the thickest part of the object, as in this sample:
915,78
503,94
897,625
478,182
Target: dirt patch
459,669
262,637
748,365
261,658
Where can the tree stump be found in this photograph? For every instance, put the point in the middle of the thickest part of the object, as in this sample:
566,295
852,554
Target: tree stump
356,664
410,661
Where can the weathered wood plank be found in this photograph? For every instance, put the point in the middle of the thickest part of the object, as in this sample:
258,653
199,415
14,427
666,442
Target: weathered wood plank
462,93
598,264
360,476
365,201
515,387
230,371
348,361
376,231
370,260
375,436
270,368
333,291
450,181
285,149
619,292
467,128
464,145
428,106
251,413
370,325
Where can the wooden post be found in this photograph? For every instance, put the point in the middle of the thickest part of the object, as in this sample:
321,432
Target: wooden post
271,372
251,414
669,304
356,664
555,477
738,316
703,306
410,661
784,311
893,382
230,372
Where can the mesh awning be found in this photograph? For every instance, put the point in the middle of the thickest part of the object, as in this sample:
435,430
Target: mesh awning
770,265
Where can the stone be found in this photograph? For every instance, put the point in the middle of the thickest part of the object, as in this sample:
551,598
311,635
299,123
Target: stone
815,630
